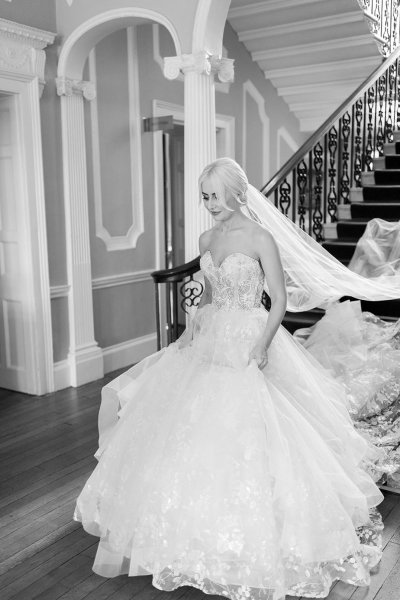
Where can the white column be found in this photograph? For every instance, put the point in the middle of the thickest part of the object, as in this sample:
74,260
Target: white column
200,131
85,357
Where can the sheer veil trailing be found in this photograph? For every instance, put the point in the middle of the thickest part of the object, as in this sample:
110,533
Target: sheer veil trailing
313,276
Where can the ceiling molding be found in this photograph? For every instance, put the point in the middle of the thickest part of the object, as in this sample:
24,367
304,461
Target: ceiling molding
298,107
266,6
350,64
298,26
293,90
350,42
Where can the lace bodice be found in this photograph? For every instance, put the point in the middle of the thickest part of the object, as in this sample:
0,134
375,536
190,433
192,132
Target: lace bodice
236,283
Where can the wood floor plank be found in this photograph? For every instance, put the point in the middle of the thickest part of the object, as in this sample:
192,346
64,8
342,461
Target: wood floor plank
33,533
54,583
47,456
30,502
42,571
105,591
31,549
43,511
391,525
341,591
390,589
81,590
63,548
26,485
388,503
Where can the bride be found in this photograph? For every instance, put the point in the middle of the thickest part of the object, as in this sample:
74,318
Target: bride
228,461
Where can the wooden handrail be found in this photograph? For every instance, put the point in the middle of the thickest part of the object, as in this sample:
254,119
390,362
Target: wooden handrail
176,273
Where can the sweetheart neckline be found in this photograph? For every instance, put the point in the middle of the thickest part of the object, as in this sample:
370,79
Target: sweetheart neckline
227,256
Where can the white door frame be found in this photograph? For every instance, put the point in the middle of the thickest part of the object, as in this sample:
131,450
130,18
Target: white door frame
22,75
225,124
39,338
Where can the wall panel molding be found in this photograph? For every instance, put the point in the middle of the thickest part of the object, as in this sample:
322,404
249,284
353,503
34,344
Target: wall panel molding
283,134
122,279
249,89
98,283
129,240
59,291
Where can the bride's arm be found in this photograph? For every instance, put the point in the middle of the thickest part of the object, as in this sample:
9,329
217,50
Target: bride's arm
273,271
206,296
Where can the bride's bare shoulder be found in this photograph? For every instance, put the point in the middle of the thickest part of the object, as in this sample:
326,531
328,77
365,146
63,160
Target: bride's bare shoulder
205,240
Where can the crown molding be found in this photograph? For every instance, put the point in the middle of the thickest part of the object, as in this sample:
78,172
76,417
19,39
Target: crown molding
35,38
22,50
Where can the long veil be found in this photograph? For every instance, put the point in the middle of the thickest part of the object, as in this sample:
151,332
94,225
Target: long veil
313,276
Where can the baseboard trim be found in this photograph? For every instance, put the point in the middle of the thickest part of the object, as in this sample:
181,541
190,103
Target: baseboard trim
127,353
62,376
115,357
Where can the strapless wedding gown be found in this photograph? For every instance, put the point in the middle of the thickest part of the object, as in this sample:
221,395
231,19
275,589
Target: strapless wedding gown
217,475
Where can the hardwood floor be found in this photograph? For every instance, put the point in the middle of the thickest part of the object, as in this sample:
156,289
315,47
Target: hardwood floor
46,451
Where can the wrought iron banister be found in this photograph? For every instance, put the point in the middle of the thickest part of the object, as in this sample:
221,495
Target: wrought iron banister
319,176
382,17
182,291
324,128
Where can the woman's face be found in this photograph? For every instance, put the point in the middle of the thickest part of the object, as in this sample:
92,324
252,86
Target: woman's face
213,204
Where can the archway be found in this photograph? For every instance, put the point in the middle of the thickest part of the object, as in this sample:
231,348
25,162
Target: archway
85,358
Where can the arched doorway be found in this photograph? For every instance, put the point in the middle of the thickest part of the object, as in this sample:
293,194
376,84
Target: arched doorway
85,358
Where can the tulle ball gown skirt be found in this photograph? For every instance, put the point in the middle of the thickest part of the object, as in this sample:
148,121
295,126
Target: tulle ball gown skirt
240,482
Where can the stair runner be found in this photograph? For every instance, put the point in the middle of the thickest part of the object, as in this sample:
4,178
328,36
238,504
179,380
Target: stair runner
379,196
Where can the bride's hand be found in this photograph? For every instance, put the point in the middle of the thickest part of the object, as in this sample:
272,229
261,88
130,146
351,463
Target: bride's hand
260,355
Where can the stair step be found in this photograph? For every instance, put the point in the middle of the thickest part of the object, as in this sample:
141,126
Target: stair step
390,148
377,193
341,248
389,309
293,321
372,210
387,177
351,229
392,162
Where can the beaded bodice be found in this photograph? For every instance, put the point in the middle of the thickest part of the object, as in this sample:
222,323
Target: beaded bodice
236,283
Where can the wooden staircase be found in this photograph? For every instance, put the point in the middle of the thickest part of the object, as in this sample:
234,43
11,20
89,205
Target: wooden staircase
379,197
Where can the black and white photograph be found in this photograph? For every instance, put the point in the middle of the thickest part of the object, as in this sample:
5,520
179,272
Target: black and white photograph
199,299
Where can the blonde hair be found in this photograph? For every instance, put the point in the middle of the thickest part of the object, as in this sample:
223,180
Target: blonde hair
226,175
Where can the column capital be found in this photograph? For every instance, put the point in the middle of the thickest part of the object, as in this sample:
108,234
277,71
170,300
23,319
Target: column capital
69,87
223,67
200,62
